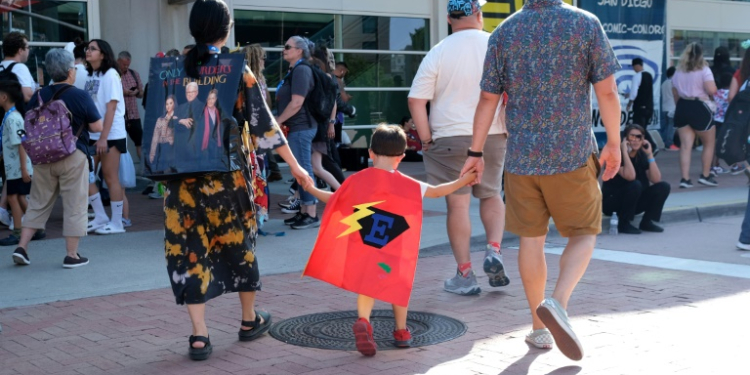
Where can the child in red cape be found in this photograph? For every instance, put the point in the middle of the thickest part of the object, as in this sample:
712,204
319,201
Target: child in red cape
387,149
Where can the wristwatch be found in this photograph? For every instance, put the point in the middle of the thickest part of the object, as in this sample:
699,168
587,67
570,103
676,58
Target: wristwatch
332,121
474,154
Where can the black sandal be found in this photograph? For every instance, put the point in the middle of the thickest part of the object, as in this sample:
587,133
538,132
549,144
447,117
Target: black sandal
200,354
258,328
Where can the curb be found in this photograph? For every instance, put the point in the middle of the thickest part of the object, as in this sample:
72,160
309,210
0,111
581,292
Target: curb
669,216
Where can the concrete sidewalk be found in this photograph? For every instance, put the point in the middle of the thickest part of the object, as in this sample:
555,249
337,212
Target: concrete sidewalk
135,261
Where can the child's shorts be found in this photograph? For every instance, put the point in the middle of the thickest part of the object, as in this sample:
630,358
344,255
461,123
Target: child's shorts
18,187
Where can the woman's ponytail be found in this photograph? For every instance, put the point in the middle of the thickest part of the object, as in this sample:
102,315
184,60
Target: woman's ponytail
196,57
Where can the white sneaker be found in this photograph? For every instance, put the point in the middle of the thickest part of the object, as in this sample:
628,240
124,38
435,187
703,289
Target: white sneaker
743,246
126,223
110,229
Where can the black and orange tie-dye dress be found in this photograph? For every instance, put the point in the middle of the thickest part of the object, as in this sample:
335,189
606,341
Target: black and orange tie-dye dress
210,221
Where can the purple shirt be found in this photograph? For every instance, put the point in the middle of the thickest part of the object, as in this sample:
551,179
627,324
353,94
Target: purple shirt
546,57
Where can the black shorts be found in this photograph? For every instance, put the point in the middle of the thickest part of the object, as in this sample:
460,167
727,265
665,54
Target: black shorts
18,187
695,113
120,144
135,131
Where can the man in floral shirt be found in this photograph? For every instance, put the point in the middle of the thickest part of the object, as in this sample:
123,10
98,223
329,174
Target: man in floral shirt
546,57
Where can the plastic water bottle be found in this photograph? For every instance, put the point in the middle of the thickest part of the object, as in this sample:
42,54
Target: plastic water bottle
613,223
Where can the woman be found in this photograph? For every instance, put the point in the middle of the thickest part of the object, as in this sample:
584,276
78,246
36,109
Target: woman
79,53
206,256
413,144
637,187
163,140
105,87
693,87
256,60
742,74
324,138
290,98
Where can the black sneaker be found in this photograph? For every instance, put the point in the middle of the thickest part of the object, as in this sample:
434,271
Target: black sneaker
11,240
708,181
685,184
39,235
73,262
20,257
291,207
293,219
306,221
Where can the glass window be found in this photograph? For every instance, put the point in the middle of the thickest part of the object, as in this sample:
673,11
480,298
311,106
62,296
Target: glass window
47,21
374,107
710,40
386,33
272,29
381,70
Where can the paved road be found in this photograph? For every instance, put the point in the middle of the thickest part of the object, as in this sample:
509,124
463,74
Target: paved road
672,303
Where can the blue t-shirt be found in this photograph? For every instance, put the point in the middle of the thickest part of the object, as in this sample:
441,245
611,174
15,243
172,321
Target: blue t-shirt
80,105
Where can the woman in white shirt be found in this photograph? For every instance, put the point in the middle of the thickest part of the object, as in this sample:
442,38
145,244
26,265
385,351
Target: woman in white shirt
105,87
693,86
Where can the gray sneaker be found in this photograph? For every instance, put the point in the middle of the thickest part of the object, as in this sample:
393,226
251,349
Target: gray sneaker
494,268
465,286
556,319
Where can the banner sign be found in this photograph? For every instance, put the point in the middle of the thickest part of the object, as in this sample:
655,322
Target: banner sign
496,11
188,127
636,28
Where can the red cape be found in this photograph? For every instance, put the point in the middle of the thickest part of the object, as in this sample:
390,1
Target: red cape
369,236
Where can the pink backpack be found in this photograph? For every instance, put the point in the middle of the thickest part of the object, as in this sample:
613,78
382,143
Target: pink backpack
49,135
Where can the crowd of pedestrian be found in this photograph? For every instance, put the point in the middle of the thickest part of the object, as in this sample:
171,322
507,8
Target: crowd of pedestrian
488,126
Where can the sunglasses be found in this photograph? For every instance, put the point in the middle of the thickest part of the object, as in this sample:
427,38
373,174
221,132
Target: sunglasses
288,47
635,136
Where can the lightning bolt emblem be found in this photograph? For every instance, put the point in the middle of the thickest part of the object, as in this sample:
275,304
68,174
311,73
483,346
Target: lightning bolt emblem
352,220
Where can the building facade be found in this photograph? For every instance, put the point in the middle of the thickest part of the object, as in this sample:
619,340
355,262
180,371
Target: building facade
382,41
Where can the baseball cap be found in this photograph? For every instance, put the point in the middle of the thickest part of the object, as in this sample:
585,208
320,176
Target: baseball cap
467,7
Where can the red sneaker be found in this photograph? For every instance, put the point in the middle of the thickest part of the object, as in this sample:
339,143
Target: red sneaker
402,338
363,336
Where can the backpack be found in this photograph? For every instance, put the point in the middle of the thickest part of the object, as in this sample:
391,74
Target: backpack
322,98
732,140
49,134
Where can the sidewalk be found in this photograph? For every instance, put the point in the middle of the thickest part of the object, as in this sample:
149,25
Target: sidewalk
631,319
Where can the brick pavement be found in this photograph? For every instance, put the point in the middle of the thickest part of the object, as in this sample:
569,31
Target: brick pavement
631,320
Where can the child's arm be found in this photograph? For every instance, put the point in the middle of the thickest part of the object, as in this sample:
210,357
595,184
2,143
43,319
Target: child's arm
450,187
322,196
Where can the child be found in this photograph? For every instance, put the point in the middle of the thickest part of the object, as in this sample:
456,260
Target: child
380,184
18,168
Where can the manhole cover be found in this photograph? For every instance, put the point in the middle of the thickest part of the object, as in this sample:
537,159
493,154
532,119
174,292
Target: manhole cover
334,330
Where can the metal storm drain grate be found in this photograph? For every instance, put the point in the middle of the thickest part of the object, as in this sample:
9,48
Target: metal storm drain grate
334,330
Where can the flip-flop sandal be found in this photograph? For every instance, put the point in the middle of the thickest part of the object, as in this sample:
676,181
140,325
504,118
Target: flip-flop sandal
258,328
200,354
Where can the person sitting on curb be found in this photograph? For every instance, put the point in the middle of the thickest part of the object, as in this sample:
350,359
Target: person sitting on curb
637,187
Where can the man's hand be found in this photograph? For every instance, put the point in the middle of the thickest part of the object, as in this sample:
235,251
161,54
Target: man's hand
469,177
611,158
474,165
101,147
187,122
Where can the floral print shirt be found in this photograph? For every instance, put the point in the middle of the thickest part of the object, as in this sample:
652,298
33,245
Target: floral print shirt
546,57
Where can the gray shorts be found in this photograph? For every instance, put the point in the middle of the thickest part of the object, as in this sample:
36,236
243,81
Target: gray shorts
444,160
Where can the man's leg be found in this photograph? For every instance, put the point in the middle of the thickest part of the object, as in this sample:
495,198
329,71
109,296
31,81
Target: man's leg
533,269
573,263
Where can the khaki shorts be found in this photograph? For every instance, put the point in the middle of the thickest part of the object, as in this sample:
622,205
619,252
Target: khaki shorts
68,178
573,200
445,159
